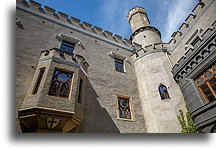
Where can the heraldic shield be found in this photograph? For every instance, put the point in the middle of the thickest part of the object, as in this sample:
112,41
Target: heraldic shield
52,122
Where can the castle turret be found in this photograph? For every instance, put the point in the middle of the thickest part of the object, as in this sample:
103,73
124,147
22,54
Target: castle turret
142,32
160,96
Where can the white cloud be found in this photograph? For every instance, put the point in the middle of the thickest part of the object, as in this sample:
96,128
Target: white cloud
177,13
114,16
170,15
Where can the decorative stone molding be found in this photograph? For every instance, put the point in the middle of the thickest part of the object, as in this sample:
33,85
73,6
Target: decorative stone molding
194,56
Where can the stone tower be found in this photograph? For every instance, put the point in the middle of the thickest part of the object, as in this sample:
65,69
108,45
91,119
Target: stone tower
153,72
142,32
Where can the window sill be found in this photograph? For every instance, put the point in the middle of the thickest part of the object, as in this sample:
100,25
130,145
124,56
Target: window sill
130,120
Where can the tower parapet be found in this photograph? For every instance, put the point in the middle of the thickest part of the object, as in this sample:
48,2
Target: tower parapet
137,18
142,32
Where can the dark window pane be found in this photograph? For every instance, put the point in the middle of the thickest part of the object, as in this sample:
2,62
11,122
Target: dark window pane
61,82
207,92
128,115
62,77
200,81
208,74
124,108
119,66
66,46
38,81
211,98
163,92
54,88
212,81
80,91
121,112
204,87
64,90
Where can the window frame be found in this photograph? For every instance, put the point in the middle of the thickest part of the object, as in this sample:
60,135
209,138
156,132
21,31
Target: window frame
52,81
80,91
161,94
206,82
67,44
38,81
118,61
130,107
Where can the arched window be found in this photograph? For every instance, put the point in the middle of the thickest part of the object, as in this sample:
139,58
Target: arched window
163,92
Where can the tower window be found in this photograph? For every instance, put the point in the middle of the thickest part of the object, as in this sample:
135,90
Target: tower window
163,92
61,84
66,46
40,76
119,65
206,83
124,108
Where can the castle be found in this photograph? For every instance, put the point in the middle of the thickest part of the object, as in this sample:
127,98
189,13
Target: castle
73,77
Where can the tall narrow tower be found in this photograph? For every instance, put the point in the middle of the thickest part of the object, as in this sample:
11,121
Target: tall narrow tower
142,32
160,96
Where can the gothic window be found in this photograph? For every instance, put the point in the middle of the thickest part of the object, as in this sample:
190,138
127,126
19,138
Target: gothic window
206,83
163,92
66,46
119,65
37,84
61,84
124,108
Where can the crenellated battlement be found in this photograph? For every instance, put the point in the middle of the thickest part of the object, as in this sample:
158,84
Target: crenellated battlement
134,11
140,51
195,13
35,6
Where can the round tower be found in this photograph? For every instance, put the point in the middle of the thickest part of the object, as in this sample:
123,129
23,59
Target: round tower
159,94
142,32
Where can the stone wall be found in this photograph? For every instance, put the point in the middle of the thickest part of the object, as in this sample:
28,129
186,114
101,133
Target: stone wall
201,18
35,33
153,69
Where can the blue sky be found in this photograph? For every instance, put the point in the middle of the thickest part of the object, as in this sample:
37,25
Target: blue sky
111,15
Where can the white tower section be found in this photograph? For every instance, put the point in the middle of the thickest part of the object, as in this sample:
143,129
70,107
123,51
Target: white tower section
153,72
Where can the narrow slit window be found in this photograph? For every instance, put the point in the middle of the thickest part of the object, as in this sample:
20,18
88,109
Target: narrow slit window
37,84
124,108
119,65
67,47
61,84
163,92
80,91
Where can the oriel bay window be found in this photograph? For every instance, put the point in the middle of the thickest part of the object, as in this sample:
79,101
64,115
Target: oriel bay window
61,84
206,83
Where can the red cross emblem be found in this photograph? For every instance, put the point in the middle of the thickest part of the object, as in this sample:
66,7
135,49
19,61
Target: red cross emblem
52,122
